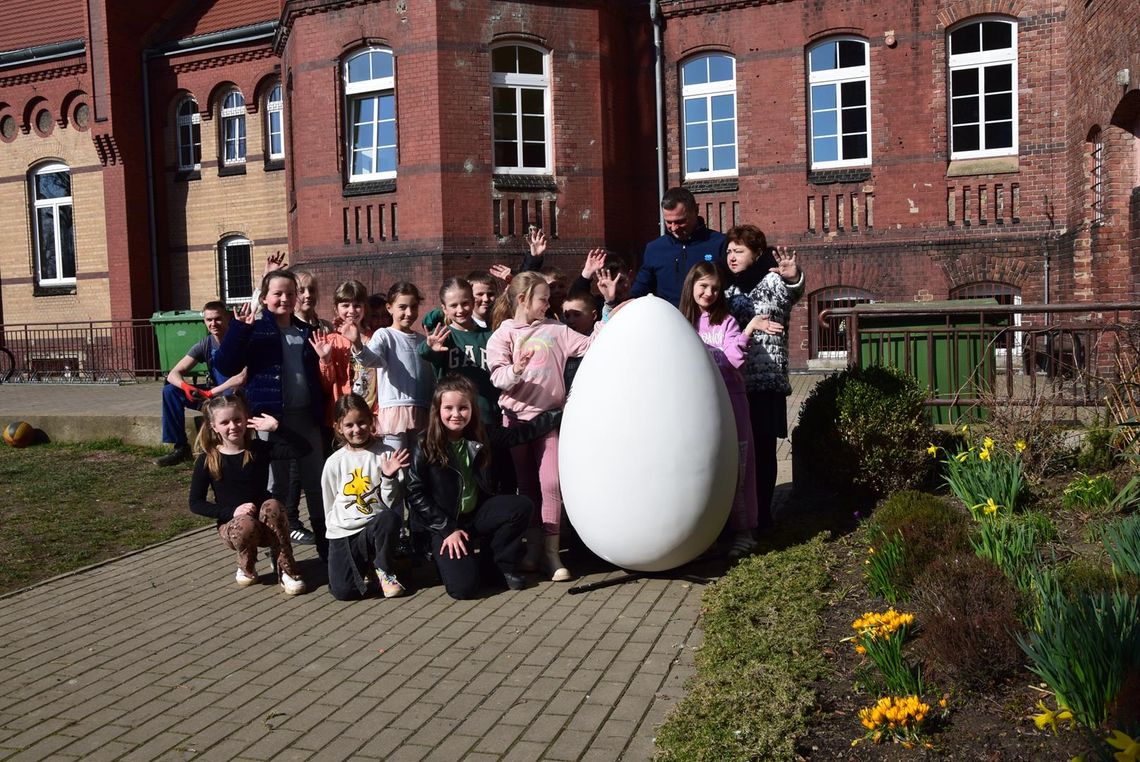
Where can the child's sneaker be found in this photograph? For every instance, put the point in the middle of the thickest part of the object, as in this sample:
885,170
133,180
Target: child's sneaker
243,579
292,585
743,544
389,585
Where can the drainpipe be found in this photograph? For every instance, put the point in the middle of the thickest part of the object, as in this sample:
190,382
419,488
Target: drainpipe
659,112
152,224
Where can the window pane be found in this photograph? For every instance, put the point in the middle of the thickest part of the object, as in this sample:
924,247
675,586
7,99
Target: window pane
824,57
533,102
534,155
996,35
998,78
53,185
696,136
364,110
697,160
239,280
530,61
723,107
386,106
851,53
506,155
854,146
503,100
67,241
999,107
362,136
695,72
386,134
187,108
724,133
964,82
45,219
965,40
825,149
196,135
822,97
999,135
275,143
966,138
964,111
359,69
362,162
824,123
381,64
275,94
505,128
534,128
696,110
853,93
724,158
854,120
387,159
720,69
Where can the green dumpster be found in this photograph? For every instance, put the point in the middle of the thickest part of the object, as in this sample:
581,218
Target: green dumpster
177,331
950,352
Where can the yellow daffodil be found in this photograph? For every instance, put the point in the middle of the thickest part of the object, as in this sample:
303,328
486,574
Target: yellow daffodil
988,443
932,451
1129,748
990,508
965,429
1049,718
961,457
984,454
1020,445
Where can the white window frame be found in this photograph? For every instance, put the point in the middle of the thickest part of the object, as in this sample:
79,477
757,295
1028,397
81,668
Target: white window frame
233,128
189,134
517,83
981,61
224,272
375,88
836,78
55,205
275,122
706,91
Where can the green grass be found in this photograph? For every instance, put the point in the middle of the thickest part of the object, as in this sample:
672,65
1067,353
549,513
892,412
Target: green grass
66,506
753,690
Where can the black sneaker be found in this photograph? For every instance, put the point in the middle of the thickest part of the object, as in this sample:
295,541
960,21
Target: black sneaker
515,581
302,536
174,457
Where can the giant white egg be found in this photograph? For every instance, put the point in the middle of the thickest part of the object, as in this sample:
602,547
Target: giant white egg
647,453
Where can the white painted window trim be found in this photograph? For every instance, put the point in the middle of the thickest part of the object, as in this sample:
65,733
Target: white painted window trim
186,124
55,204
706,91
374,88
223,269
275,109
980,61
233,116
519,82
835,78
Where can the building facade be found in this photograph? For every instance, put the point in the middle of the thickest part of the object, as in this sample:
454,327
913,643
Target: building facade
153,154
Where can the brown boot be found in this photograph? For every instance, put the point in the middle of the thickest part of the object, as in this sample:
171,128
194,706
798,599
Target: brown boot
558,572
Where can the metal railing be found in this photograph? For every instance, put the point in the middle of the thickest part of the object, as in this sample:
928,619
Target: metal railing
1008,354
95,351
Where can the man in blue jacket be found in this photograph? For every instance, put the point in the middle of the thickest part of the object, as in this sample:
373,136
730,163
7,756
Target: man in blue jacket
669,258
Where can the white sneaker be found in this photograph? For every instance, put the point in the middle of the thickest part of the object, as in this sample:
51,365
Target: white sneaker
243,579
292,585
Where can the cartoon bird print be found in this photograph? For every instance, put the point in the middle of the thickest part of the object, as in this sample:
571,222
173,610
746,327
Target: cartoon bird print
360,487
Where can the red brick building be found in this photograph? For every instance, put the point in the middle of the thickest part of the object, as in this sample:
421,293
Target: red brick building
152,154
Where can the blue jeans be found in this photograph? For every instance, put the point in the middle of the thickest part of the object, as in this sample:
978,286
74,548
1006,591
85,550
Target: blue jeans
174,404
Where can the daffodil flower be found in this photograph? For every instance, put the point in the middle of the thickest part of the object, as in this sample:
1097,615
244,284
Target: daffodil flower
990,508
961,457
984,454
988,443
932,451
965,429
1047,718
1020,445
1128,746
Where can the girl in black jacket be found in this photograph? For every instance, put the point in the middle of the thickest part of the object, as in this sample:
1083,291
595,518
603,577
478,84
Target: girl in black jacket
463,494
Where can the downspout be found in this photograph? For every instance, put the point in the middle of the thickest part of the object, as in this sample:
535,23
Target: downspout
659,103
152,223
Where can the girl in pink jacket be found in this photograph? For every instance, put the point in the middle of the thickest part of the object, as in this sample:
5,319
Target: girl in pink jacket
527,354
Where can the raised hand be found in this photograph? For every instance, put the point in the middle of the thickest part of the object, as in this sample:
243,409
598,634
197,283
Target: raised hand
243,314
502,272
437,337
320,343
536,241
275,261
595,258
394,462
263,422
786,266
351,331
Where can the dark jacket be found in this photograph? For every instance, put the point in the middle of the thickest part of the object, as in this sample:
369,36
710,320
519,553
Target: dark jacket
434,491
257,346
667,261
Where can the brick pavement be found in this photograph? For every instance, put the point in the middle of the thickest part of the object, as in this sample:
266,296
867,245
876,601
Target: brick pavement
158,655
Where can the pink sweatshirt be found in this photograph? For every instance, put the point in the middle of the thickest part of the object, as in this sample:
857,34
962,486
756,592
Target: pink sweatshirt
726,344
541,386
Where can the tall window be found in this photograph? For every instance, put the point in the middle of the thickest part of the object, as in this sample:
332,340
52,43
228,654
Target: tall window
54,224
520,109
983,89
233,128
189,123
1096,178
839,77
708,93
274,131
370,90
235,269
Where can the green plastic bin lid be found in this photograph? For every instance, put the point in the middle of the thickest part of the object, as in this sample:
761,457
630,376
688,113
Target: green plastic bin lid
175,316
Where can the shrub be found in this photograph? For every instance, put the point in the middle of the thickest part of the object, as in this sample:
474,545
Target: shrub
968,608
926,528
862,433
1098,452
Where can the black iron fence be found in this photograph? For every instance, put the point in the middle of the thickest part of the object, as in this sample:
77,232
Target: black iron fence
96,351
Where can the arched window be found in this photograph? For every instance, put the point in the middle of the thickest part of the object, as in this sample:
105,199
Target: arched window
274,125
1096,177
189,126
983,88
708,95
233,128
520,109
370,103
53,224
839,77
235,269
829,336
